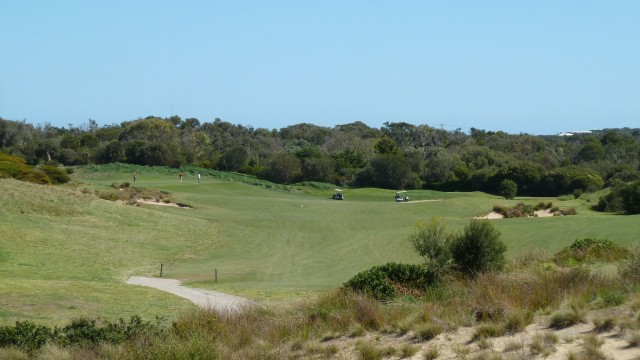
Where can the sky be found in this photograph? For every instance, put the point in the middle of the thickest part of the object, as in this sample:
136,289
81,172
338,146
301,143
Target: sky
537,67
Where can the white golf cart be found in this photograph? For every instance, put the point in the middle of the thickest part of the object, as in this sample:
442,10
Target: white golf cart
401,196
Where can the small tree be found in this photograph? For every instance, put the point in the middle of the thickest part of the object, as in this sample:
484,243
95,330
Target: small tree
508,189
478,248
431,241
630,196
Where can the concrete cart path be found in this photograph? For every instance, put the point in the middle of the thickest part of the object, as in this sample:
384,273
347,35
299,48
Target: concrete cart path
207,299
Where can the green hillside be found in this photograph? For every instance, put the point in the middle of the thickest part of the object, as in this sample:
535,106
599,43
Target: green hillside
65,253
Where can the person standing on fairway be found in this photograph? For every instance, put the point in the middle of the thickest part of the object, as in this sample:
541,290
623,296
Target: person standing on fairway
134,176
199,176
181,176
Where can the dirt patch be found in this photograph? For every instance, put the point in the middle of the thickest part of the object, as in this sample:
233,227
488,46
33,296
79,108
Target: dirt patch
491,216
163,203
494,215
536,342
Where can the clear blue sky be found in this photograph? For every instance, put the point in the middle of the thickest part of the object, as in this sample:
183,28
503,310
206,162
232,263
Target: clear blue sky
539,67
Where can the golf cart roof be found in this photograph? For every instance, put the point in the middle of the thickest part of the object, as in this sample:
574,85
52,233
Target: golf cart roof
337,190
400,192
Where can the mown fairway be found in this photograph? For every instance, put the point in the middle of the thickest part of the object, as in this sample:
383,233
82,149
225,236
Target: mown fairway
65,254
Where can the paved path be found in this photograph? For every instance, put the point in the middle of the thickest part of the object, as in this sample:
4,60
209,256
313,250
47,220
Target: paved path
204,298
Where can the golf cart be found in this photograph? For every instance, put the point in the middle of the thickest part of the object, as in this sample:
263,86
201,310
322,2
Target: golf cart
337,195
401,196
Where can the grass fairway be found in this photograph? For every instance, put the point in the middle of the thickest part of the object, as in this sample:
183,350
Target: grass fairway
265,243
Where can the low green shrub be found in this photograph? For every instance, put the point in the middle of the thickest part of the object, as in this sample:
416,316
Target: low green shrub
428,331
32,176
484,331
542,206
569,211
604,324
591,249
28,336
565,319
500,209
25,335
57,175
387,281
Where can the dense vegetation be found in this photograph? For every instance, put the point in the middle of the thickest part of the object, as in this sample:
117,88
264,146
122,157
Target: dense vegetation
398,155
16,167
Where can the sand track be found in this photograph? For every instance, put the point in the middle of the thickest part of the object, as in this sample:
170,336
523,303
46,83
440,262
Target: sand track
207,299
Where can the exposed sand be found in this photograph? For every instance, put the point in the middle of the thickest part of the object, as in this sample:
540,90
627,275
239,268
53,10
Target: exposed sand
494,215
162,203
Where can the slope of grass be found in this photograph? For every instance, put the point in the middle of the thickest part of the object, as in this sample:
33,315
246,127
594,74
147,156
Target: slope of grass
265,241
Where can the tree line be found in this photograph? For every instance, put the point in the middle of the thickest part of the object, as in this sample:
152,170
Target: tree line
396,156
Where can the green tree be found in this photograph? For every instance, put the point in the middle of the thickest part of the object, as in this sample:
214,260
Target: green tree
386,146
432,241
478,248
284,168
233,159
630,197
390,171
112,152
508,189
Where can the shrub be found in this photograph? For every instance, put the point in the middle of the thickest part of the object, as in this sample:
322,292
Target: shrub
428,331
502,210
569,211
488,331
32,176
57,175
604,325
408,350
566,318
543,344
478,248
517,321
630,195
542,206
621,198
386,281
591,249
24,335
431,354
630,268
431,241
369,351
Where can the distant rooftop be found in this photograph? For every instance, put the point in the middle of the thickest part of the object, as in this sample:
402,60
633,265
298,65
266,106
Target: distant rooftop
571,133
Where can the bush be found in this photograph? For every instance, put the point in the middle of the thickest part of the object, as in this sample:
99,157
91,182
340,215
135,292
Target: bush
543,206
431,241
630,268
24,335
565,319
30,337
630,195
35,177
591,249
478,248
508,189
621,198
569,211
385,282
57,175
